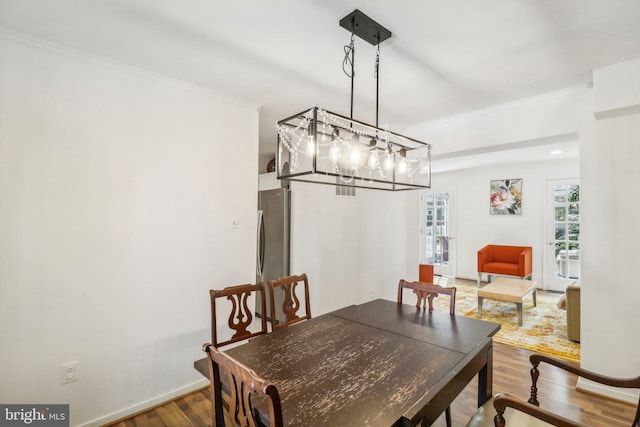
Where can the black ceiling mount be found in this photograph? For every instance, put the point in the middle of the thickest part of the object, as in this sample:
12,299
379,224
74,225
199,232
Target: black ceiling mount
365,27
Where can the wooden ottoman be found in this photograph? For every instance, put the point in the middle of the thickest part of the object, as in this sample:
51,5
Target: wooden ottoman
507,290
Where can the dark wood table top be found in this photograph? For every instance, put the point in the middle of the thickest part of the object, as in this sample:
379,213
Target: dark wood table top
458,333
375,364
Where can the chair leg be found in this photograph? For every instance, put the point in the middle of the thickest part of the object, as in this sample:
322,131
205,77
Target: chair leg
447,416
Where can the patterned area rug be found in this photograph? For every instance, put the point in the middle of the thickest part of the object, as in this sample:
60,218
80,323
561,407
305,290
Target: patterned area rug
544,327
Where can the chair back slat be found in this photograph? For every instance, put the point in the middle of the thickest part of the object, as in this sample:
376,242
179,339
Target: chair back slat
426,292
244,385
290,302
241,316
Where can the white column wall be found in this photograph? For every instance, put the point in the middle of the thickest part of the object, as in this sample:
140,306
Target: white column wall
325,244
384,249
611,231
616,89
117,193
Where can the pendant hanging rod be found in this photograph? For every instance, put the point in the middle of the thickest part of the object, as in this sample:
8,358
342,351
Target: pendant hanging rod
377,75
353,70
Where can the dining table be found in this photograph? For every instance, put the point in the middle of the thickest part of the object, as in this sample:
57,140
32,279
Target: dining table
379,363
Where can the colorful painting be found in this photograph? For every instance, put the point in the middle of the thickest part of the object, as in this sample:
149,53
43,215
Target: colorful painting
506,196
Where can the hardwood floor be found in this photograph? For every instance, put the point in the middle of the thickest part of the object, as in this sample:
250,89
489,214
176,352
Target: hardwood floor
191,410
511,374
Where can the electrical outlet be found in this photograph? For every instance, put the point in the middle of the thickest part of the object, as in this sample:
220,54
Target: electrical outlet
69,372
372,293
235,223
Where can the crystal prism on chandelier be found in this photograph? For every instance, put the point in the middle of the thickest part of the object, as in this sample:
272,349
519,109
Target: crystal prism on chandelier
327,148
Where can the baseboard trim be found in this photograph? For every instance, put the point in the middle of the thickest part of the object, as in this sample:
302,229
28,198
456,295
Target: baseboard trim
623,395
146,405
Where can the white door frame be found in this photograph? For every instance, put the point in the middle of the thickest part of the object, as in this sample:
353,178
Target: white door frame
450,269
552,281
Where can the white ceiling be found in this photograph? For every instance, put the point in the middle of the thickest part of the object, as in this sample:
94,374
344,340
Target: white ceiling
444,58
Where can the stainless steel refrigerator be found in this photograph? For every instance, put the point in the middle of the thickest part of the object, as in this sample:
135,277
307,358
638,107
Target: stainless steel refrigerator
274,209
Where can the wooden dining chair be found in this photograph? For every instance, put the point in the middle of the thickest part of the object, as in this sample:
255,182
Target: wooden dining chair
241,316
290,302
245,385
240,320
506,410
427,292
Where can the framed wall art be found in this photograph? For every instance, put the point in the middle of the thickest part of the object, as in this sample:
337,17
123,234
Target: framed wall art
506,196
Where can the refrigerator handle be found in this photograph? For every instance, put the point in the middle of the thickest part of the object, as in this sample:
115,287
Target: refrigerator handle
260,238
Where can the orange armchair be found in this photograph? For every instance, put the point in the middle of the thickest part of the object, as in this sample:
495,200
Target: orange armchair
505,261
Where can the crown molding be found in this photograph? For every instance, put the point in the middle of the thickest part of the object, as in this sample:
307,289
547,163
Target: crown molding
48,46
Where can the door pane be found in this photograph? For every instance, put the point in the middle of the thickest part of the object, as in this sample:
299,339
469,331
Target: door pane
567,231
574,231
574,212
561,193
574,193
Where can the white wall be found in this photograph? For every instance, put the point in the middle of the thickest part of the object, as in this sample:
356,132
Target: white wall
610,230
325,244
616,90
117,192
385,255
545,116
352,248
475,227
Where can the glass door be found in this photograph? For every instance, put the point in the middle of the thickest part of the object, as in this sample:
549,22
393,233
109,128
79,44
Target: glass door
437,233
562,254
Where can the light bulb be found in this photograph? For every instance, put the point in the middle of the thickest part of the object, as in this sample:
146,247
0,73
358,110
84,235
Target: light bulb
402,166
388,162
311,147
373,159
